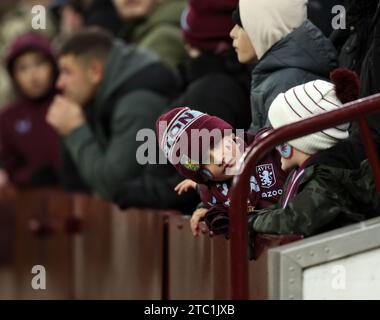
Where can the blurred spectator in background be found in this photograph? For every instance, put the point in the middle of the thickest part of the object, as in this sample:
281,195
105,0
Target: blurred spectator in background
359,47
70,18
154,24
16,19
72,15
103,14
359,44
110,92
45,3
217,83
29,146
290,50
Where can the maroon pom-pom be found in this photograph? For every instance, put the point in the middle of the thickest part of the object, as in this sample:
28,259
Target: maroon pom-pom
347,85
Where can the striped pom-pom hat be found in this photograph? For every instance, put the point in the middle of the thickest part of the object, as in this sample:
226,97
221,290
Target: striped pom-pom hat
311,99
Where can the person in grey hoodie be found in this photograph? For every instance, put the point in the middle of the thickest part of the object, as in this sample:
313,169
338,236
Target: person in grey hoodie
288,50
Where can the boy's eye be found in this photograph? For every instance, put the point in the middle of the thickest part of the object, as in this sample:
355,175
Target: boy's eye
207,174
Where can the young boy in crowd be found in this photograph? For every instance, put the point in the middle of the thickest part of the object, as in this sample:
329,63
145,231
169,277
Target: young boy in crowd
214,79
211,163
29,152
288,48
317,196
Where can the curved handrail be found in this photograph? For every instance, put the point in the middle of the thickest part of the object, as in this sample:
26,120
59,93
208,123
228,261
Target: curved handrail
354,111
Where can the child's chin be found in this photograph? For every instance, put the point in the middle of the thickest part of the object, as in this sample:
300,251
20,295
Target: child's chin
286,167
223,178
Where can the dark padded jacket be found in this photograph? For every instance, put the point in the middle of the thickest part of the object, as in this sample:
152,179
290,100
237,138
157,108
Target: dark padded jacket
302,56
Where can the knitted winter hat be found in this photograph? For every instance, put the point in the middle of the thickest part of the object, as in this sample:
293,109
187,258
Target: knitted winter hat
184,150
267,22
206,24
311,99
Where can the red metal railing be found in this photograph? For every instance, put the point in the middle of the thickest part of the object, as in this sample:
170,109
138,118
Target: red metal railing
354,111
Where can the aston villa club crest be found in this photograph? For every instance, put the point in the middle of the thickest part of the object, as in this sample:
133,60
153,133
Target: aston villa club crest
266,175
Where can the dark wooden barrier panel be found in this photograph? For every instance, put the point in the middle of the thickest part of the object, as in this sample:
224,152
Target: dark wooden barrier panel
221,268
7,243
41,239
91,235
118,254
136,270
199,268
7,229
92,250
190,274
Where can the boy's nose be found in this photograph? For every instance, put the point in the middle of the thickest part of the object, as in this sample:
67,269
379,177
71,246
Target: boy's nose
232,32
228,162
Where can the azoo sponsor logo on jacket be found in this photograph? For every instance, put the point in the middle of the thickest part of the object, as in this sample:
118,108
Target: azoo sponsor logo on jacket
270,194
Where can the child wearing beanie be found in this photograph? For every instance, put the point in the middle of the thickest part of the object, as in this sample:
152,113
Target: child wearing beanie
205,150
317,197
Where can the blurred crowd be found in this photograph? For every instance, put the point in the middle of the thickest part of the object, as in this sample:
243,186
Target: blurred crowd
74,95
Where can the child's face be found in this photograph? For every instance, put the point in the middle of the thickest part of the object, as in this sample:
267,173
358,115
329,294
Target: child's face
287,164
33,73
224,159
243,45
288,156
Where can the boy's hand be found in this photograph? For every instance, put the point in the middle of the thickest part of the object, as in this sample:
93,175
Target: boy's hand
4,178
7,189
65,115
185,185
195,219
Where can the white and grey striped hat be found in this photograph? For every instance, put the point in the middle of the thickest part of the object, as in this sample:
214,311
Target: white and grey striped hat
305,101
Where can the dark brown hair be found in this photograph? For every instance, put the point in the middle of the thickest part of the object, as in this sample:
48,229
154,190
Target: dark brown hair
89,43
